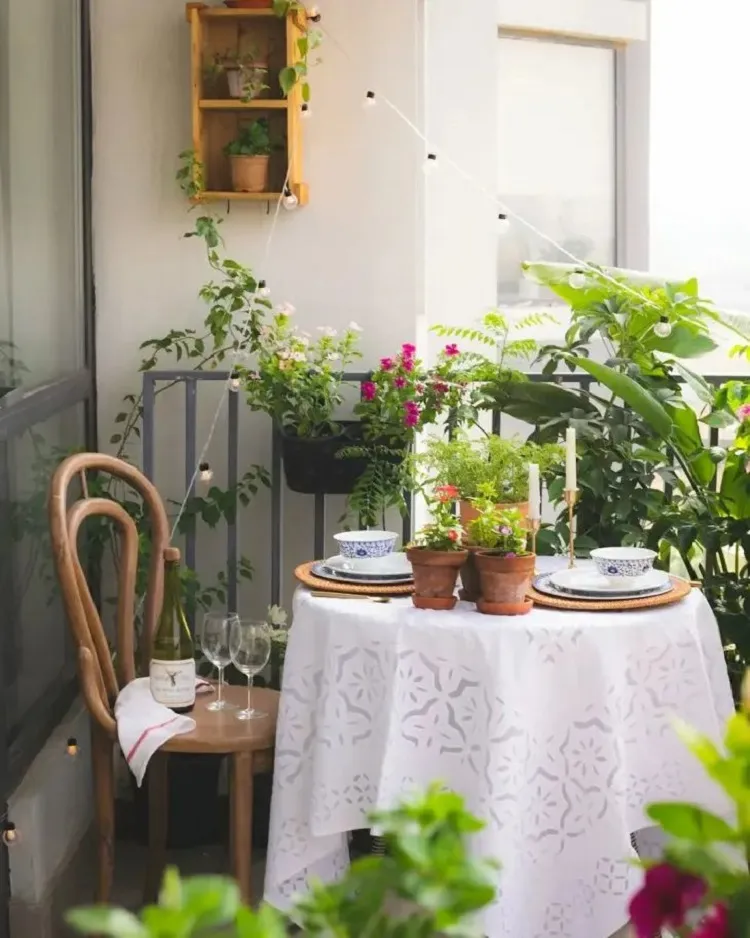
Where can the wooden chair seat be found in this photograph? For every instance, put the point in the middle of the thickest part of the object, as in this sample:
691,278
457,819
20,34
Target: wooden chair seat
248,744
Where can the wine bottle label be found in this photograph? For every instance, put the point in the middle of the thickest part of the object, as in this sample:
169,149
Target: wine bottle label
173,682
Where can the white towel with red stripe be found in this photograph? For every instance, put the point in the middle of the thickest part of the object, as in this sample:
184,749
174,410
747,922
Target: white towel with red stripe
143,725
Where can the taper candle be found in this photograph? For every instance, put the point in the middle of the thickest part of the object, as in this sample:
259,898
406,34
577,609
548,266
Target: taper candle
535,495
571,476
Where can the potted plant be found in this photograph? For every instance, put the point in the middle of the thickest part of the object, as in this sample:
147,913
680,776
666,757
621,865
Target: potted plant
481,534
249,155
505,566
476,466
298,383
246,72
437,554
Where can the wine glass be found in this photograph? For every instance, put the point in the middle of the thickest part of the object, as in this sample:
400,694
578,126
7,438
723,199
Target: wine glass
250,648
214,636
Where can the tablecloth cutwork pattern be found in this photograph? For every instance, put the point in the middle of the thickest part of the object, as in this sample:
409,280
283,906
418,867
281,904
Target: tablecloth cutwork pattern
557,731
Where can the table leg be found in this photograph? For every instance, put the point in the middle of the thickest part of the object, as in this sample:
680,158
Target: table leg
158,819
241,795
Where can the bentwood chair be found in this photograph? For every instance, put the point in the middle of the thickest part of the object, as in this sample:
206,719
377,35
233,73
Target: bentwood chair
249,744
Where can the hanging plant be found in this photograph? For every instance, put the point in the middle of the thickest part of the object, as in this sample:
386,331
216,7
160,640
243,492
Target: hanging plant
297,73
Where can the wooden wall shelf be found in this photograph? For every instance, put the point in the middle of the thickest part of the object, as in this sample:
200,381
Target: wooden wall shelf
217,118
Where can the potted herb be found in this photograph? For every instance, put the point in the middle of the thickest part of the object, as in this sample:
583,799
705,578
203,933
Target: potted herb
481,534
488,468
505,567
249,155
246,72
437,554
298,383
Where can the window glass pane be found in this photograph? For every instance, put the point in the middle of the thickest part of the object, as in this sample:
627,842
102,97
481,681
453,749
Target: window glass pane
557,155
36,652
41,323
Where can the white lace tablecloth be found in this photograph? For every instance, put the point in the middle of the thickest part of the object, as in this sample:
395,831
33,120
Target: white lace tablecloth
555,727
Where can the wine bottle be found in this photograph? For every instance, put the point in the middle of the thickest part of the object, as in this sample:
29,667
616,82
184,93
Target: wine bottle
172,670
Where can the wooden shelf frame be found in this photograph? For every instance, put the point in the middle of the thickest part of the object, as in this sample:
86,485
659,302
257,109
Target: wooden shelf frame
200,17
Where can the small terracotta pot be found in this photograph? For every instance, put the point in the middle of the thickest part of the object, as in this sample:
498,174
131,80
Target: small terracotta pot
505,581
249,173
469,513
470,590
435,575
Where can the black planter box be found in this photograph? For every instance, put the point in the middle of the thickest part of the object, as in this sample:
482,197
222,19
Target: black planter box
312,466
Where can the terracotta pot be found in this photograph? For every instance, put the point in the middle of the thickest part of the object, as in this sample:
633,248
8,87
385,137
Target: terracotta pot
470,590
249,173
236,79
505,582
469,513
435,575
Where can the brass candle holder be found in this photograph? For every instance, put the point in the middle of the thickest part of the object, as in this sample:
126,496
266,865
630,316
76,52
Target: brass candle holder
534,525
571,497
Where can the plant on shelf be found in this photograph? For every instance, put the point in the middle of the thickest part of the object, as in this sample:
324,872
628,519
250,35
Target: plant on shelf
402,397
249,155
700,886
246,72
487,465
310,40
298,383
505,566
427,864
437,553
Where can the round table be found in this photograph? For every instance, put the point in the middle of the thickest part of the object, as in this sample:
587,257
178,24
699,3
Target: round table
556,727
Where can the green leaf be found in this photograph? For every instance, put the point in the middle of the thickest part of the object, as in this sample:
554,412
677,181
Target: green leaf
635,396
211,900
265,923
689,822
116,438
684,343
287,78
700,387
720,419
116,923
737,738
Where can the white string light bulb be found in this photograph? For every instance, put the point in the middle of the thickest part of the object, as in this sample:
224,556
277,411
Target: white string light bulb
263,289
663,328
313,14
429,164
206,472
10,834
577,280
290,200
72,746
235,382
370,100
503,225
306,111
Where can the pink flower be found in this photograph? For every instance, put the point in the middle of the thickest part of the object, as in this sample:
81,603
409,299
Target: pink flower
451,350
386,364
510,555
743,412
369,390
505,531
715,924
407,364
399,381
408,350
411,414
440,387
664,899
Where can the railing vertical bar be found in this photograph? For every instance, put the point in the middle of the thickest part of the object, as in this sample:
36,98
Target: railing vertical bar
148,426
406,521
191,455
232,472
319,530
277,540
496,423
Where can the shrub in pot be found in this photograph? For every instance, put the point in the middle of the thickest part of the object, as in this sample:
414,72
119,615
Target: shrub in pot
505,567
246,73
437,554
298,383
480,535
470,464
249,155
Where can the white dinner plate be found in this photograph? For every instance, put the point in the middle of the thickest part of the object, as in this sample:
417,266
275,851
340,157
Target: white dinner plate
591,583
394,565
362,579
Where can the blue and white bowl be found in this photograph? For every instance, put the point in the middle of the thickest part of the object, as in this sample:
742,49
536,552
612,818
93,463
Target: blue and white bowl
618,564
365,545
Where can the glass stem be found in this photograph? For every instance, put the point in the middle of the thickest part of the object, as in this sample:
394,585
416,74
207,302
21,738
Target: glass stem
221,683
249,689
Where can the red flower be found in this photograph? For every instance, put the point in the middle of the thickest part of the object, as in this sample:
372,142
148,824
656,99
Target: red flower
451,350
399,381
407,364
446,493
666,896
715,924
369,390
453,535
386,364
440,387
411,414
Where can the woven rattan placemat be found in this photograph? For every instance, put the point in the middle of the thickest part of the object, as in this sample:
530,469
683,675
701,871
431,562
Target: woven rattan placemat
680,591
304,574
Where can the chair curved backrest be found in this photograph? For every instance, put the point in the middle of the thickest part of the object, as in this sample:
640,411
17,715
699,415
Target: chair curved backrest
100,679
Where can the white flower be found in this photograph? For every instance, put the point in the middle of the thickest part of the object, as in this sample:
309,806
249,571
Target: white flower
355,327
277,616
286,309
298,357
327,331
332,356
282,354
303,340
